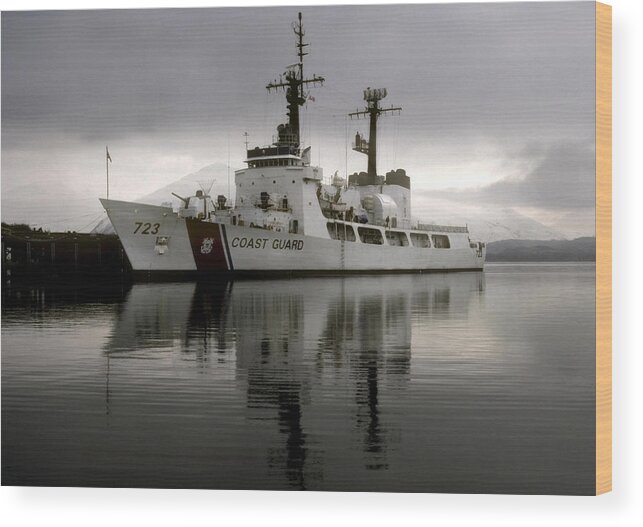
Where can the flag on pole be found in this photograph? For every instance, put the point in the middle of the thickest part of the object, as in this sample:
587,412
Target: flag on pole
108,160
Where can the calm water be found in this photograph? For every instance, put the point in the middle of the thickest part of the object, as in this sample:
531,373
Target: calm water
434,383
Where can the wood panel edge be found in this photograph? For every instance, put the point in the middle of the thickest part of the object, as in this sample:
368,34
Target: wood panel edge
603,248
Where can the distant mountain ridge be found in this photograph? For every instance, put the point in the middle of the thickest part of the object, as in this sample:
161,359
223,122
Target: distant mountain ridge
576,250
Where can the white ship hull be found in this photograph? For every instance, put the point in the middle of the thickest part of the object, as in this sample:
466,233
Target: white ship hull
157,240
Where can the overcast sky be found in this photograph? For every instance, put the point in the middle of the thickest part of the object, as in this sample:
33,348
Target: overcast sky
498,99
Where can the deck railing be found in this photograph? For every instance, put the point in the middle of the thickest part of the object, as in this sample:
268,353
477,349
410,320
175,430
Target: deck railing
441,228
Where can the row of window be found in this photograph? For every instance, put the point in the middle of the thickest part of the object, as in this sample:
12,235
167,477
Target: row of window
273,163
345,232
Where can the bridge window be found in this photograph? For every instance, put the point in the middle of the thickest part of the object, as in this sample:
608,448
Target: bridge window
369,235
441,241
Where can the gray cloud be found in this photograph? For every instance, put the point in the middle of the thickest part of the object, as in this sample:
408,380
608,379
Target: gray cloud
461,68
562,177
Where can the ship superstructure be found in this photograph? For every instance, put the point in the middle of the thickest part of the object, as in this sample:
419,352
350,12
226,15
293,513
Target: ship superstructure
285,218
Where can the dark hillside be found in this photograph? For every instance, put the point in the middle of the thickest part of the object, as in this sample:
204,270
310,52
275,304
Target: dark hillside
577,250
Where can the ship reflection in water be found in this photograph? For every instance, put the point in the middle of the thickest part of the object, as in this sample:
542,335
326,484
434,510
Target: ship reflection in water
398,383
298,348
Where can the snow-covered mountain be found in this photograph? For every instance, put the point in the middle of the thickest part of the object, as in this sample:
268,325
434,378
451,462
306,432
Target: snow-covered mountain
485,223
215,175
508,224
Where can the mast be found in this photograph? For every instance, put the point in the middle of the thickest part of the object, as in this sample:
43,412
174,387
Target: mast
293,82
373,110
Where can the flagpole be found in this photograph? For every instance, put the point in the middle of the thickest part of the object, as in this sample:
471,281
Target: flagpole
107,168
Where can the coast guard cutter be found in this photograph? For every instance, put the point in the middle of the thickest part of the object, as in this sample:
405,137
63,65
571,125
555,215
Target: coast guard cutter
285,219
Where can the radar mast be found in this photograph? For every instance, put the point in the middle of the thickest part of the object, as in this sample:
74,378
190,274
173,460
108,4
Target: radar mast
372,97
294,83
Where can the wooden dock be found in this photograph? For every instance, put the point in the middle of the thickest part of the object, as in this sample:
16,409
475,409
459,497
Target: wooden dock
29,253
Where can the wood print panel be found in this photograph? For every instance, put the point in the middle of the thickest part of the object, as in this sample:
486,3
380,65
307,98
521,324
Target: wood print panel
603,248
